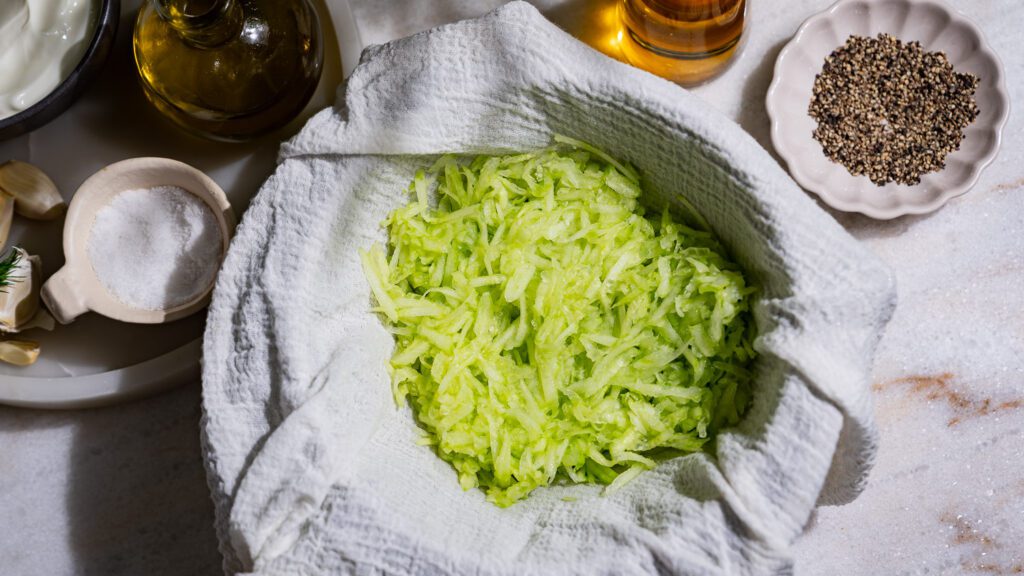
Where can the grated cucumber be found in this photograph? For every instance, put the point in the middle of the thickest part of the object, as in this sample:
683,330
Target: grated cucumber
547,329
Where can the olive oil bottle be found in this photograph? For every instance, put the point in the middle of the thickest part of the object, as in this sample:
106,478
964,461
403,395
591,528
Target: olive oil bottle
686,41
229,69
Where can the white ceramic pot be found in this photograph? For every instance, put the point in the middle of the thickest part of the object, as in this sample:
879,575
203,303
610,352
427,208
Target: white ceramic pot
75,289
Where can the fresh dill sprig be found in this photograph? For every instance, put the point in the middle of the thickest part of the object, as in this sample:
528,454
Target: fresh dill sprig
8,264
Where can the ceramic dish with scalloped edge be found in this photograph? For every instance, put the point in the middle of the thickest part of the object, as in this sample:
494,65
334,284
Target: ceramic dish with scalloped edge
938,27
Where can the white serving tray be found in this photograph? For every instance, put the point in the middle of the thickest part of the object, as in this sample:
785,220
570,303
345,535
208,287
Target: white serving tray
97,361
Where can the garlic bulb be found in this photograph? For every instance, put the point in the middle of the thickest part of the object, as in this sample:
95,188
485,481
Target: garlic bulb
19,352
6,217
35,195
19,302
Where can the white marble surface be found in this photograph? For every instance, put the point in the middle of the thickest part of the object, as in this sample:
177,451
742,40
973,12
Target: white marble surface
121,490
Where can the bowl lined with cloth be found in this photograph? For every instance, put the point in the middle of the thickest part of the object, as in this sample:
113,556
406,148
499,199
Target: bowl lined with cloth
315,470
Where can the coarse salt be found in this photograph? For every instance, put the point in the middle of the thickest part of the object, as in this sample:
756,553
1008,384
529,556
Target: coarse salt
155,248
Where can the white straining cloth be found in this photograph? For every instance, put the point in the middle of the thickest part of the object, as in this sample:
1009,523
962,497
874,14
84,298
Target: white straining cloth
315,471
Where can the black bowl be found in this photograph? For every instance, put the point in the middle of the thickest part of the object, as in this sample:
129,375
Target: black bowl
56,102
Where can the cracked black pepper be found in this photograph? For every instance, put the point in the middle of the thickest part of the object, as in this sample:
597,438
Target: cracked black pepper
889,110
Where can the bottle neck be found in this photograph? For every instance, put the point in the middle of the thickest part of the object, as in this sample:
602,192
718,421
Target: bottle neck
204,23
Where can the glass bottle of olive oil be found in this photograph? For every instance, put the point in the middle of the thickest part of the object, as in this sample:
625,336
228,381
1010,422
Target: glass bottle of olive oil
686,41
229,69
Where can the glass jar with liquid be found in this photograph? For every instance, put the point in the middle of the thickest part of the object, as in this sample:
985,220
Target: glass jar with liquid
229,69
686,41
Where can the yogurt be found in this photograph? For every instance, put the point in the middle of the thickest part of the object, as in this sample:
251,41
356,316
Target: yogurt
41,42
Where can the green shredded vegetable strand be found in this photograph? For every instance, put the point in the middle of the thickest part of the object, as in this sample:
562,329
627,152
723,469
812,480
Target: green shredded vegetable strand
547,329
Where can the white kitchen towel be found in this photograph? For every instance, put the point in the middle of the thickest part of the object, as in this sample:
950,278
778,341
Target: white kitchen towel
313,468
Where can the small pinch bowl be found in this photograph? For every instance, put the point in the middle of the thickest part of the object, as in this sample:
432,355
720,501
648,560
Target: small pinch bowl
938,27
64,95
74,289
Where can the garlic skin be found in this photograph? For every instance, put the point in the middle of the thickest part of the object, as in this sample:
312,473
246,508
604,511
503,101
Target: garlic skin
19,352
6,217
19,305
35,195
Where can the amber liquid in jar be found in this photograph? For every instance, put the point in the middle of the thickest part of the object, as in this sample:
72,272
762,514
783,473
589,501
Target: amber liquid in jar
686,41
229,69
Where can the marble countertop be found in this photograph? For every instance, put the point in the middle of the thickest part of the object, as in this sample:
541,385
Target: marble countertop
122,491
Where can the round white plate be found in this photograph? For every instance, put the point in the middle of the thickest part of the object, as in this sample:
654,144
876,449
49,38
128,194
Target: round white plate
938,27
97,361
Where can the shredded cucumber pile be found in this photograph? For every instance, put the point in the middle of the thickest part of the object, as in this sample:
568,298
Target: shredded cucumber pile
547,329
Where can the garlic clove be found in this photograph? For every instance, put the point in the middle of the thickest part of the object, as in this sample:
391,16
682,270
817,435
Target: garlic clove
19,352
6,217
19,302
35,195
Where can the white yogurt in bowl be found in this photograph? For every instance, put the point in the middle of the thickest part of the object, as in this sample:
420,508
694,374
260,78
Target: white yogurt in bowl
41,43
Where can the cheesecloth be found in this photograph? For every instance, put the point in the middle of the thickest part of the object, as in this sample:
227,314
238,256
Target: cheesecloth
314,470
